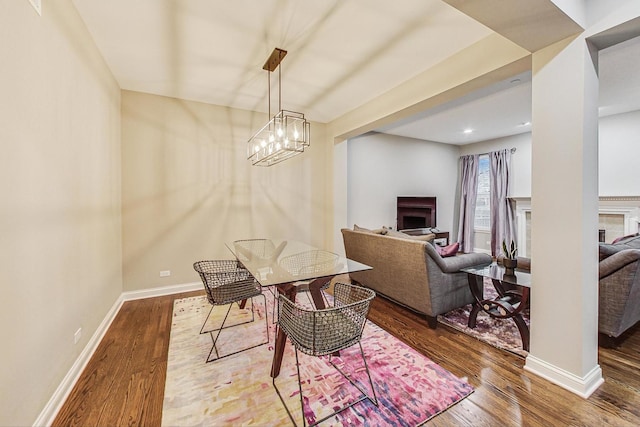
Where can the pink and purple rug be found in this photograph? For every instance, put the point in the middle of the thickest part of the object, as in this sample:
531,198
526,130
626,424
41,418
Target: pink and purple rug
237,390
500,333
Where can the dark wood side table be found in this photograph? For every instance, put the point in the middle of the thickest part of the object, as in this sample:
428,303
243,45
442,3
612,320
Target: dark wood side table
513,296
440,235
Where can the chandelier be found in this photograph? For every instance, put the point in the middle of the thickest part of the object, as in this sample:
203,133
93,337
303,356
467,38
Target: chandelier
286,134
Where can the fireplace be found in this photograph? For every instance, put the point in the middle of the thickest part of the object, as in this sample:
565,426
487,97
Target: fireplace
416,212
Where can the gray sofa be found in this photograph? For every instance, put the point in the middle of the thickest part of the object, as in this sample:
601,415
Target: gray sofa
619,286
411,272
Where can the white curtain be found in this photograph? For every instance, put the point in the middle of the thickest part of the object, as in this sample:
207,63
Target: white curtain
468,195
502,223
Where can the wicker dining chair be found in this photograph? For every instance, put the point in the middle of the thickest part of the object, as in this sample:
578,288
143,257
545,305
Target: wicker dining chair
227,282
257,250
260,251
324,332
313,262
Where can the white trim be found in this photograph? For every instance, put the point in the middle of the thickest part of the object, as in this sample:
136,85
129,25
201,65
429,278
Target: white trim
627,207
582,386
523,206
630,217
161,291
51,409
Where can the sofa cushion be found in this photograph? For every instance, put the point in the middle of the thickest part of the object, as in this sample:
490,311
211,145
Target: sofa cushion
394,233
632,239
628,242
606,250
422,237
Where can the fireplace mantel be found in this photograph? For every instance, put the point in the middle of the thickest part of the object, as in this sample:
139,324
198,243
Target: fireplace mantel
628,207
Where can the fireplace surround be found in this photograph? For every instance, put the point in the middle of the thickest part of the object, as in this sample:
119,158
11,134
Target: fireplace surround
416,212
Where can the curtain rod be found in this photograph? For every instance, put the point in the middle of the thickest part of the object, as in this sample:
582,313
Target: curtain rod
513,150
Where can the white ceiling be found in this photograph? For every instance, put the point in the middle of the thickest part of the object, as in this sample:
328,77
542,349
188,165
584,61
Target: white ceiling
505,109
341,54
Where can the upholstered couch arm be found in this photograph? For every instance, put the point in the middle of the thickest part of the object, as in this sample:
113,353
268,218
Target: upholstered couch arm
455,263
617,260
619,292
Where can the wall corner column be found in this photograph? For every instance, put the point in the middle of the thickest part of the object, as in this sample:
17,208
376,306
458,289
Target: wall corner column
564,202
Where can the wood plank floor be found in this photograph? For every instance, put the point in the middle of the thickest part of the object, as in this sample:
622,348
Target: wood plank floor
123,383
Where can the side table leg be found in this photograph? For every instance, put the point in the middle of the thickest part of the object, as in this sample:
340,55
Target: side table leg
476,285
524,331
520,323
474,314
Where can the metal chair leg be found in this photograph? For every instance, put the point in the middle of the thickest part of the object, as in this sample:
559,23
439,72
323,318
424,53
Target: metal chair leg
363,397
202,331
219,330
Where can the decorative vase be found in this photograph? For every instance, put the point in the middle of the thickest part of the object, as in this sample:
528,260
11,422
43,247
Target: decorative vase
510,265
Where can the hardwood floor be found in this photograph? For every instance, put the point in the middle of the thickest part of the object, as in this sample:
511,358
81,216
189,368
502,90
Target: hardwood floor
123,384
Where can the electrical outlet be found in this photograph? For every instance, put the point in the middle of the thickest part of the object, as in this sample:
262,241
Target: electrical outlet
165,273
77,336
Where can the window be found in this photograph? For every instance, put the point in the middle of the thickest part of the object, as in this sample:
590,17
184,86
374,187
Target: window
483,200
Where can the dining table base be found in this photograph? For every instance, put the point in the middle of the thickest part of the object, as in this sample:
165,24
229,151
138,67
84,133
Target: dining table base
290,290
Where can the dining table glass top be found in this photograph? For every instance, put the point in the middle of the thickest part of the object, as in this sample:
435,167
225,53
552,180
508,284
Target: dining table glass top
276,261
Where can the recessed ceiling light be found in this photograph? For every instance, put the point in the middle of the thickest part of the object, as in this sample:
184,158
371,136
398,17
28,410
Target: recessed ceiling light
467,131
524,124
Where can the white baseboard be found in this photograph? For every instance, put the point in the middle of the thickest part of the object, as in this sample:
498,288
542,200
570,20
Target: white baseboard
54,404
51,409
582,386
161,291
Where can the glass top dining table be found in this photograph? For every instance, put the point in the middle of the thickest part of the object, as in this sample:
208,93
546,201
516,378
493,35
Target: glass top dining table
284,264
276,261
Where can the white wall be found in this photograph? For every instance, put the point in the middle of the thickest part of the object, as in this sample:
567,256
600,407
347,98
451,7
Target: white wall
382,167
378,170
60,205
619,151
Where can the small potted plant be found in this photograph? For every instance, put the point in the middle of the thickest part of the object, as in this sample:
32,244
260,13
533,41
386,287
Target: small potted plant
510,260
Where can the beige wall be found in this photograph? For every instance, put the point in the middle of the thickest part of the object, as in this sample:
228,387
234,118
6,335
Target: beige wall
187,187
60,200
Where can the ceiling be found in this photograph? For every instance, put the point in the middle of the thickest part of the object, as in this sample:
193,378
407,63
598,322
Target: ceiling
341,54
505,108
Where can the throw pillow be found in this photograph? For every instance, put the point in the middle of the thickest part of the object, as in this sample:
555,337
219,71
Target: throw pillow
422,237
449,250
364,230
394,233
624,238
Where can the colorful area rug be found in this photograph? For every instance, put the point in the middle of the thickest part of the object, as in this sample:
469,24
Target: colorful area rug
500,333
237,390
